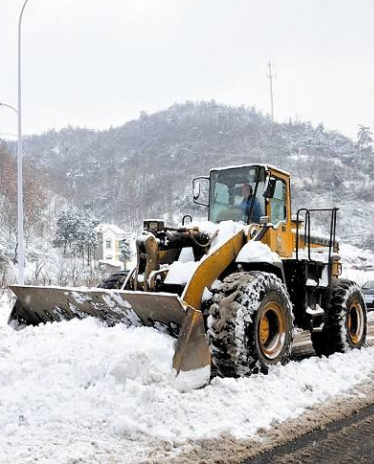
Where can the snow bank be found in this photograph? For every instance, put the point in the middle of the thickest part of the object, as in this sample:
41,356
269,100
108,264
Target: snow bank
67,385
356,263
241,406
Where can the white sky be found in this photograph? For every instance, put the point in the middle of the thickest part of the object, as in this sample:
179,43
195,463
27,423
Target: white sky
98,63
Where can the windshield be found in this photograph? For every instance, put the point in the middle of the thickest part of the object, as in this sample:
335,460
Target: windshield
237,194
369,284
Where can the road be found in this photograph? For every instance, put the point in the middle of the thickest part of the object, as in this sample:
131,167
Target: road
348,440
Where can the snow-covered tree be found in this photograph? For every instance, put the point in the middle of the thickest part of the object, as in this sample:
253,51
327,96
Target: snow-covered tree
87,238
364,137
76,230
365,155
67,229
125,249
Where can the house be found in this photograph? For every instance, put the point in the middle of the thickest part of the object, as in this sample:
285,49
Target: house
108,250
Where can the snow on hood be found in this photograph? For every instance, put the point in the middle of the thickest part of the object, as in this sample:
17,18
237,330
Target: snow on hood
181,272
225,230
256,252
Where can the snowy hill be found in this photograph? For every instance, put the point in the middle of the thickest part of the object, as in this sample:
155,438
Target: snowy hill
145,167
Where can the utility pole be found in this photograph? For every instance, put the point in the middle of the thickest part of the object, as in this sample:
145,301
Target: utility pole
270,76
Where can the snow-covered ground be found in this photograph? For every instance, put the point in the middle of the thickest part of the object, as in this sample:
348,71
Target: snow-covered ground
79,391
356,262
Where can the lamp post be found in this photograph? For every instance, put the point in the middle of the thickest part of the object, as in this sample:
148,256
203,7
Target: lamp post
8,106
21,253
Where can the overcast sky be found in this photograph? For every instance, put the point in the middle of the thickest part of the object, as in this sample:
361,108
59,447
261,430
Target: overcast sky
96,63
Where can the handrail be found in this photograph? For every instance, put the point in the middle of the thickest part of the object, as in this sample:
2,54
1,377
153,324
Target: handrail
307,223
306,229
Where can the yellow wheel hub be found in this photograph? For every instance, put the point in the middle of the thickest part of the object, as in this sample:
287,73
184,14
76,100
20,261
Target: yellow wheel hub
271,330
355,322
264,330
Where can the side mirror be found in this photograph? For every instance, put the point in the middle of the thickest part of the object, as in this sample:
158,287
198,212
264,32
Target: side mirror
200,189
270,187
196,190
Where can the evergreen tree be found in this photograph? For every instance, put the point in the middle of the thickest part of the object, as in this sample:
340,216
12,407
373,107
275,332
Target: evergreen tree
364,137
67,231
364,148
125,251
87,238
76,231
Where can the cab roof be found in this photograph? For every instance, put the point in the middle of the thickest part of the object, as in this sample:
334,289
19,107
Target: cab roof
266,166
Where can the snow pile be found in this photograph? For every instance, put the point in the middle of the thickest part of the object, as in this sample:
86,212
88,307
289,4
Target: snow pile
7,300
61,386
356,257
358,265
69,385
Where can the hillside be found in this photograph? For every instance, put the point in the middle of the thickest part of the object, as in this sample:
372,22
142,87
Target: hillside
145,167
38,209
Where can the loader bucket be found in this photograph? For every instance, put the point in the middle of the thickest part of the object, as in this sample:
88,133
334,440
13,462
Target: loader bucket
166,312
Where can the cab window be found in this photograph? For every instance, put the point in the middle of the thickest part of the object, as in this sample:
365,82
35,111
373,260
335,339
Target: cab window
278,204
236,192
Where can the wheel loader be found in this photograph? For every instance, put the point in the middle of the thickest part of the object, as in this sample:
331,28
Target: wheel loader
255,271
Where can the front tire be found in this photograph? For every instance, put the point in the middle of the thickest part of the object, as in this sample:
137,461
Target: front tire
250,324
346,322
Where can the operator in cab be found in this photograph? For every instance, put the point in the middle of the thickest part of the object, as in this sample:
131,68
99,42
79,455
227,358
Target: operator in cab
250,205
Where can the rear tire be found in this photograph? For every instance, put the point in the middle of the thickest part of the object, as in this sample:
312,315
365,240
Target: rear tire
250,324
115,281
346,322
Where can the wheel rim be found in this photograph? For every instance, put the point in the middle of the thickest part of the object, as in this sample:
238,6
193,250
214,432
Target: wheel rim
271,332
355,322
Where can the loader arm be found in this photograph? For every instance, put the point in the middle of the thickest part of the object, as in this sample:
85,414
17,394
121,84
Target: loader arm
210,268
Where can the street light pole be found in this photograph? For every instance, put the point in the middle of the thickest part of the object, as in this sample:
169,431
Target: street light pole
21,252
8,106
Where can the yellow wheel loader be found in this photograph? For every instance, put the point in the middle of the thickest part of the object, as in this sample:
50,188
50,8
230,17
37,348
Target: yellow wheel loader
235,311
